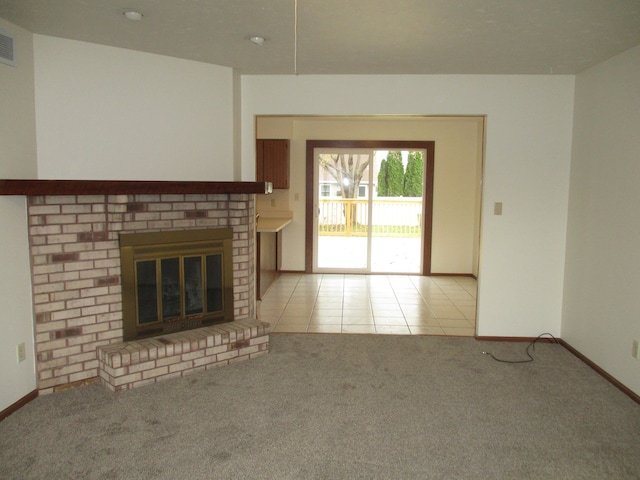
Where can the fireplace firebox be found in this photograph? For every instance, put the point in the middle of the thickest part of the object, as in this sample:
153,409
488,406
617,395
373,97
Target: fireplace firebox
175,280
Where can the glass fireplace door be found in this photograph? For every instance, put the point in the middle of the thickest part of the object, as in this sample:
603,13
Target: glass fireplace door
170,287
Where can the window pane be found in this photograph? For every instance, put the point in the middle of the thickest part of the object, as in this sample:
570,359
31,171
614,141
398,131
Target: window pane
193,285
214,283
170,272
147,292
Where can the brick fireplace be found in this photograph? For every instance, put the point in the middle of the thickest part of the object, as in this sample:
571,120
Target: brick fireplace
76,276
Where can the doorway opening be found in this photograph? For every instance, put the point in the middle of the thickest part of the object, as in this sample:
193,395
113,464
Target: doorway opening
455,222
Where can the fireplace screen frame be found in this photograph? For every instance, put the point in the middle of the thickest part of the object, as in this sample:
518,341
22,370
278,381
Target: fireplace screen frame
158,246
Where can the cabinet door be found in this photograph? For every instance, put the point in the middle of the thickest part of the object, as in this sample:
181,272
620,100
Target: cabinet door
272,164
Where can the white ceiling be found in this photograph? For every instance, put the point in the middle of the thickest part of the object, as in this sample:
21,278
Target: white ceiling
352,36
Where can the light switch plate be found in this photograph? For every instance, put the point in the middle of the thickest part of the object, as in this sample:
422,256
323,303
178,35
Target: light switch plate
21,351
497,208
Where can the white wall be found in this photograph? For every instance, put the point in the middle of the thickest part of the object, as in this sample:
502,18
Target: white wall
458,147
528,151
601,315
17,160
111,113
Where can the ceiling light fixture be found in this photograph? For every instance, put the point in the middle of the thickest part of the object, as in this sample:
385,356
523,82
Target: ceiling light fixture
257,40
132,15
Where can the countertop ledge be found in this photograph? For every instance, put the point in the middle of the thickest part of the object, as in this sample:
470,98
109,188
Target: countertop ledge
273,222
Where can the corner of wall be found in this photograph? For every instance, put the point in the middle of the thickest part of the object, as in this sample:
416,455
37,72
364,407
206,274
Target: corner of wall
237,126
18,153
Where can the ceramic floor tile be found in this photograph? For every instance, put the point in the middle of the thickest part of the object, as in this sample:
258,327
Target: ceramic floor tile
271,310
358,329
330,293
385,302
389,321
438,300
420,330
330,300
360,320
410,292
282,283
468,312
276,297
454,323
332,317
298,297
301,306
328,311
387,312
396,304
465,303
297,309
328,303
454,290
420,321
356,297
305,292
445,280
290,328
325,304
416,309
392,330
357,307
348,314
294,320
442,311
433,294
458,298
324,328
355,289
272,319
459,332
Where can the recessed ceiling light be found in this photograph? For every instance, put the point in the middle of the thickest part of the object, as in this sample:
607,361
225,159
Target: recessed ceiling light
256,39
132,15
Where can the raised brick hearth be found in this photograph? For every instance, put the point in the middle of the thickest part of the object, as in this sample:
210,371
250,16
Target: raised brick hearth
123,366
75,259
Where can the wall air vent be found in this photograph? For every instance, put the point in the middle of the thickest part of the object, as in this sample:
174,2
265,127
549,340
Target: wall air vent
7,50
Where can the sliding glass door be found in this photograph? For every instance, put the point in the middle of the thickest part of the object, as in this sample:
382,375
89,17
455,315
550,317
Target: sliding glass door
368,206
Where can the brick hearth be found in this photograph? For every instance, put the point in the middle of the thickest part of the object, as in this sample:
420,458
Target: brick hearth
75,257
133,364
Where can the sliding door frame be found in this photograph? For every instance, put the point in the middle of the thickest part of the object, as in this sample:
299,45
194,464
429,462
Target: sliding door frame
427,200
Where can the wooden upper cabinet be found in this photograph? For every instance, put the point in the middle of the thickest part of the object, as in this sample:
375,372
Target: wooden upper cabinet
272,163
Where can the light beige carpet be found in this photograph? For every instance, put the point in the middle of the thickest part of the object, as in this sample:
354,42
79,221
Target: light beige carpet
341,407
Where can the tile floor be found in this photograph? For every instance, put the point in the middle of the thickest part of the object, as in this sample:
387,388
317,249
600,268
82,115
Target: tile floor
383,304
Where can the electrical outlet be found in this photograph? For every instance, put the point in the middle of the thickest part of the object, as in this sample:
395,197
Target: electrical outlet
634,350
22,352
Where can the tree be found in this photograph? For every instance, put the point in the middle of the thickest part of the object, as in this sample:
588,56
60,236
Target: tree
347,170
383,180
395,174
413,175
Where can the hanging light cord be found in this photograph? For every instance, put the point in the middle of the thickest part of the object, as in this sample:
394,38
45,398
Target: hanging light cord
295,37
